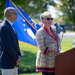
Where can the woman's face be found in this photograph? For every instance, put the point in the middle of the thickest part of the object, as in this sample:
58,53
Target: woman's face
47,21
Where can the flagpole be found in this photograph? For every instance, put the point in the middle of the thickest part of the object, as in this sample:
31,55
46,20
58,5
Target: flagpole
7,1
22,15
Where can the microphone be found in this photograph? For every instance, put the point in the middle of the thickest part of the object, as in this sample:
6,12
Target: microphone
57,26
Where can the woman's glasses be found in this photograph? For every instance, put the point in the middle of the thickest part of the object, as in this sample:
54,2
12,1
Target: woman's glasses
47,18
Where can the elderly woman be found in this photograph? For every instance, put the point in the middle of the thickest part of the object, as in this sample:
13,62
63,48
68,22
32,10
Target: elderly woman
48,44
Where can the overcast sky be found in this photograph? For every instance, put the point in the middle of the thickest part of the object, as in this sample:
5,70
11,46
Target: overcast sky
53,11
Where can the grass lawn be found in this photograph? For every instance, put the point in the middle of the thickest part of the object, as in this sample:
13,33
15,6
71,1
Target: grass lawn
29,54
31,74
66,44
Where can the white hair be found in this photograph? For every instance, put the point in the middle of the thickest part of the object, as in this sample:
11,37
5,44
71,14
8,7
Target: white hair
8,10
44,14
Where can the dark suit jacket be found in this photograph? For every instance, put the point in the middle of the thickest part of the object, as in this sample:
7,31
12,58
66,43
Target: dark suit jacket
10,46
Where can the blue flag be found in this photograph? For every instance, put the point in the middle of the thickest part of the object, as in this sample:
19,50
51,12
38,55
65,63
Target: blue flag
38,26
24,25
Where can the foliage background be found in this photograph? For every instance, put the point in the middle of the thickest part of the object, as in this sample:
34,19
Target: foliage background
35,7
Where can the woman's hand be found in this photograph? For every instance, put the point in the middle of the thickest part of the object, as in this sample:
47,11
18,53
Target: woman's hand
56,52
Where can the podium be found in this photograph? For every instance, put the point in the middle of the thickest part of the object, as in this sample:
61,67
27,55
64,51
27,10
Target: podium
65,63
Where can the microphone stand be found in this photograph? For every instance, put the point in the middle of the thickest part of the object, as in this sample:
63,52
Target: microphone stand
57,38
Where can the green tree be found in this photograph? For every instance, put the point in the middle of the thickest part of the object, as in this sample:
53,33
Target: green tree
67,7
31,7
